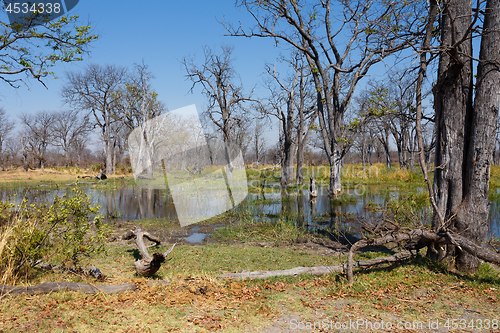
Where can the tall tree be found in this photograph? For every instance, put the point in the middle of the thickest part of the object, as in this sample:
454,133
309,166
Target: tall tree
29,51
6,127
294,94
140,99
340,45
258,143
465,123
96,90
218,79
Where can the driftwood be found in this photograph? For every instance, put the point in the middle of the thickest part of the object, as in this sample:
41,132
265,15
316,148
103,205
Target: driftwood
48,287
422,236
148,265
320,270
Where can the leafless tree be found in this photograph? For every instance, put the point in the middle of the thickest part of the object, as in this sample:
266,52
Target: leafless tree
38,133
294,93
258,142
96,91
340,45
218,79
6,127
69,129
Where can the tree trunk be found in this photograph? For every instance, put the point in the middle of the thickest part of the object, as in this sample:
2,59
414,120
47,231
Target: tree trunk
300,163
472,215
335,181
363,147
49,287
287,161
453,106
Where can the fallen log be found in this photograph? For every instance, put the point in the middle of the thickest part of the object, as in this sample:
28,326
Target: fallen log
319,270
422,236
147,266
48,287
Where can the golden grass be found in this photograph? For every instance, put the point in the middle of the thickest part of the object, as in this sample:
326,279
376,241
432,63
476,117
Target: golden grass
48,175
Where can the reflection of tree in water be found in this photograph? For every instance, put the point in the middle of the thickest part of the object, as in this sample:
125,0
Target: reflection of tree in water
300,209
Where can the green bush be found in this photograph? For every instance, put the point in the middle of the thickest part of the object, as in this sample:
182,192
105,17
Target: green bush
96,167
58,233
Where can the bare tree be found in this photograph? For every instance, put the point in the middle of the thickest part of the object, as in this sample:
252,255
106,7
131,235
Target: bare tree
6,127
337,63
69,129
97,92
295,94
258,143
38,134
217,78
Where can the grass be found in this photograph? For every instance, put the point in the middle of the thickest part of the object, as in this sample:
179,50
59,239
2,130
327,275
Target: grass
343,199
414,291
284,230
194,300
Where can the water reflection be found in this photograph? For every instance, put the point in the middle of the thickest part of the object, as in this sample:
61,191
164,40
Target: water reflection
133,203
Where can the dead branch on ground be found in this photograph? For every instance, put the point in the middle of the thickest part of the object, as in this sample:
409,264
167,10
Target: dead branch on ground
148,265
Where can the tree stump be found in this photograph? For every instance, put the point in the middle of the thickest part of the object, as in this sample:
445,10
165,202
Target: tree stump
147,266
101,175
313,193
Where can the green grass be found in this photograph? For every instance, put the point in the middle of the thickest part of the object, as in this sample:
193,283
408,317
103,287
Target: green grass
282,231
343,199
415,290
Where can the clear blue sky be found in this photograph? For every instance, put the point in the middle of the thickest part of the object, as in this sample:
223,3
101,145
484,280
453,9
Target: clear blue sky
159,32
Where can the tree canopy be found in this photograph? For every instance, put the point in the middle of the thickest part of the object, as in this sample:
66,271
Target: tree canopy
30,50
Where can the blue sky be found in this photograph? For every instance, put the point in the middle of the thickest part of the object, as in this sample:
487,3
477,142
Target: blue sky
161,33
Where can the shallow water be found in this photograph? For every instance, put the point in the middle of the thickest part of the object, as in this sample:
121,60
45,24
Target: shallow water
133,203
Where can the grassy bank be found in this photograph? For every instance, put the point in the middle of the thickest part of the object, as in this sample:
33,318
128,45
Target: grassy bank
195,300
188,296
351,174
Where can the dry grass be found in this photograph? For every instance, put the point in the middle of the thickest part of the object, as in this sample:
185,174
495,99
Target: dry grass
47,175
7,245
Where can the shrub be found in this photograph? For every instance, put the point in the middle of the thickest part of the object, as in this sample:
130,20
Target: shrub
58,233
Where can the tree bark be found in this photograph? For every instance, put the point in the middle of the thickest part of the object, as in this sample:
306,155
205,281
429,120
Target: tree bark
472,215
453,106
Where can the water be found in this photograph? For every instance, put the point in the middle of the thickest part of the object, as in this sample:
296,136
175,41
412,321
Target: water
133,203
196,237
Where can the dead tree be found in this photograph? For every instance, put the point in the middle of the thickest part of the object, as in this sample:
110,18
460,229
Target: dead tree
147,266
